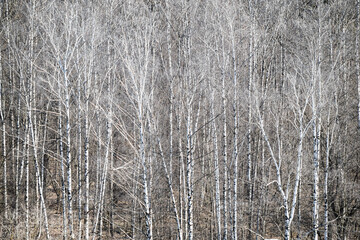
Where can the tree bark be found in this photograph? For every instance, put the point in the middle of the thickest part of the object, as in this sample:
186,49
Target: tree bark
3,124
216,168
235,138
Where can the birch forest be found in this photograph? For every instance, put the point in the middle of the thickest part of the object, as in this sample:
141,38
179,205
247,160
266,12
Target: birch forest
180,119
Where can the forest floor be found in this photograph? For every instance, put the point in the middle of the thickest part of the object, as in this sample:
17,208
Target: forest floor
9,230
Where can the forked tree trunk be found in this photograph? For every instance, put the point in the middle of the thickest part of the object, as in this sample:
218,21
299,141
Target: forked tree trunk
288,203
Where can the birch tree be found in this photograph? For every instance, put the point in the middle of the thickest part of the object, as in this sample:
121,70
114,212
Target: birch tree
216,165
288,194
137,67
30,89
2,113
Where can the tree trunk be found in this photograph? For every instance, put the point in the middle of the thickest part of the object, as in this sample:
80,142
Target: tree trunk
317,122
236,136
189,173
226,183
68,149
326,182
79,158
87,86
61,155
145,176
216,168
2,113
19,165
27,195
252,62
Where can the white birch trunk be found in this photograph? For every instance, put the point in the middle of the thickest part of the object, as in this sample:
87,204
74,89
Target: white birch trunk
316,178
171,80
87,86
329,139
44,164
111,188
17,127
148,216
30,104
288,204
103,177
168,170
236,136
61,155
316,100
79,172
37,169
182,180
68,148
326,180
172,194
190,137
226,184
18,170
11,75
252,61
79,148
44,159
189,172
216,167
98,149
136,170
2,113
27,195
110,91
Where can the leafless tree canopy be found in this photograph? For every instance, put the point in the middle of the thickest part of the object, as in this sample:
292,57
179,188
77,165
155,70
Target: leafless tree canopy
178,119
